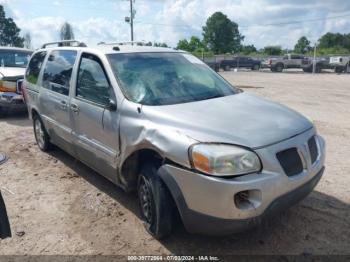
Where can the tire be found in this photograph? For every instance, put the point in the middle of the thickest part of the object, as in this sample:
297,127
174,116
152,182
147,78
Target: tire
41,136
227,68
347,68
338,70
273,69
279,68
3,112
156,203
318,69
256,67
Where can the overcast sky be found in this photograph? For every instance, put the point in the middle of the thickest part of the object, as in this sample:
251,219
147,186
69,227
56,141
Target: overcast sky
168,21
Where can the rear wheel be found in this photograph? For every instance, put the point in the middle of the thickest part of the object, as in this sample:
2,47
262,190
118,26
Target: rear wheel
256,67
41,136
155,202
279,67
338,70
227,68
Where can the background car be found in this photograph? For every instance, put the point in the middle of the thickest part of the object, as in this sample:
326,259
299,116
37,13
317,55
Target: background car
13,62
240,62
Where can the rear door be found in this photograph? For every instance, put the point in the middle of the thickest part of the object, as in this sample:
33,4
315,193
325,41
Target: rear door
54,97
95,127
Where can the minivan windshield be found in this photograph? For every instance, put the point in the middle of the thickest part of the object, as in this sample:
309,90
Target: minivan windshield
14,58
166,78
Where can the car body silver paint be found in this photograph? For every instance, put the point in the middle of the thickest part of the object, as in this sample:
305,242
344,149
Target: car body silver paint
242,119
215,196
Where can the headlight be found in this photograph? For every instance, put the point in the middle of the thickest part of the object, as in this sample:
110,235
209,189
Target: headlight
224,160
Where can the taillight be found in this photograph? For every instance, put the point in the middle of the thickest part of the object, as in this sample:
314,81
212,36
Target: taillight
269,61
22,91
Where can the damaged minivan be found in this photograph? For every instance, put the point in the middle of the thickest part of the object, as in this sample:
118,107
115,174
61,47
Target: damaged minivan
161,122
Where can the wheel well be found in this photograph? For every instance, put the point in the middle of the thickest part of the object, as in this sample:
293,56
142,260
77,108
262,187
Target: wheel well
132,166
34,113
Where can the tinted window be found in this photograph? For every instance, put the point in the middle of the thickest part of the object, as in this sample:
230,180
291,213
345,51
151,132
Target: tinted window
34,67
296,57
92,82
167,78
58,71
14,58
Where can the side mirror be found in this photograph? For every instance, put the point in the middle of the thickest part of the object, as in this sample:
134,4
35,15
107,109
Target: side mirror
111,105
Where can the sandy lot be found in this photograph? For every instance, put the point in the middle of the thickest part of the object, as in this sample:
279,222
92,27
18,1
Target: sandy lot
57,205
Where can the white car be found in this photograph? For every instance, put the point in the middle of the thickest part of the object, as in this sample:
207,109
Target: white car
13,62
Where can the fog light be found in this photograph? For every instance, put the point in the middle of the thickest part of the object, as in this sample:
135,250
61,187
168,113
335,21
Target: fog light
248,199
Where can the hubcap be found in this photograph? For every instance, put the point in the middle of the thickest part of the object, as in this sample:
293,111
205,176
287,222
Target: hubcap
39,133
145,199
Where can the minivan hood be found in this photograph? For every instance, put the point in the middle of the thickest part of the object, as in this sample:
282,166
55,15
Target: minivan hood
11,71
241,119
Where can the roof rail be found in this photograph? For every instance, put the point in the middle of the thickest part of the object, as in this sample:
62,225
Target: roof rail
123,43
63,42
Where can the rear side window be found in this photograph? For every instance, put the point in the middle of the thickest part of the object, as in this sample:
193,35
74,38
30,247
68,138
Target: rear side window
92,81
58,71
34,67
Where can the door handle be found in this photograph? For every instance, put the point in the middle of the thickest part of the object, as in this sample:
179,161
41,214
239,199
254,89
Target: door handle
74,108
63,104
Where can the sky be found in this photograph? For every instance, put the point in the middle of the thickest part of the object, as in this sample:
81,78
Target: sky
262,22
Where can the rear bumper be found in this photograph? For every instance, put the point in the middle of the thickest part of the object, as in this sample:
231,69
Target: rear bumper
12,102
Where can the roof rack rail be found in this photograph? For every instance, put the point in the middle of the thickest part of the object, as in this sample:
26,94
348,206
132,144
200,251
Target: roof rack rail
123,43
63,42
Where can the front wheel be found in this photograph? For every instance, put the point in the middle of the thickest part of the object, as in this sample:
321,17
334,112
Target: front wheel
41,136
256,67
155,202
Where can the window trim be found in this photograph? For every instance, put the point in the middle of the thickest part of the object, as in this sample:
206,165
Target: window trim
77,80
41,68
46,61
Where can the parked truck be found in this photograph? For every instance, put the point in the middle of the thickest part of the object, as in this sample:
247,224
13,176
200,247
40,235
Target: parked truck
240,62
340,63
321,63
287,61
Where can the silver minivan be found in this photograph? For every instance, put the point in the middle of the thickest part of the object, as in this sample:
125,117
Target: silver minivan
161,122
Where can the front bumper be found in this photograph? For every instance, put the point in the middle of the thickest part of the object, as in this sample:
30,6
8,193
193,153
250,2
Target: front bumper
207,204
12,101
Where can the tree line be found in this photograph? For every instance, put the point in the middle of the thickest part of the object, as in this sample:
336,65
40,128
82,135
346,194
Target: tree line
220,35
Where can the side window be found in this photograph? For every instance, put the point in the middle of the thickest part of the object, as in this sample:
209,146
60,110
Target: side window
58,71
34,67
92,82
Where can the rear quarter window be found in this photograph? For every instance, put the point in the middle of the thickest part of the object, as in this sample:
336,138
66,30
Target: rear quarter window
34,67
58,71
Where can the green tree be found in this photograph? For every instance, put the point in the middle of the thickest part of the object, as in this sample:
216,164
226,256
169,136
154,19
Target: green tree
9,32
248,49
221,35
195,44
335,43
183,45
272,50
302,46
66,31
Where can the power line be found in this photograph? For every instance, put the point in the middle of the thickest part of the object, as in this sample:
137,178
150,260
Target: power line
298,21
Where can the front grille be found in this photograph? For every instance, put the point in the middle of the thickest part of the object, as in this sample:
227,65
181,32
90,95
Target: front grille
290,161
18,85
313,149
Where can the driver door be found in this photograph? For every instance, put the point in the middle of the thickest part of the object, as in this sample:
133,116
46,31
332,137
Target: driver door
95,128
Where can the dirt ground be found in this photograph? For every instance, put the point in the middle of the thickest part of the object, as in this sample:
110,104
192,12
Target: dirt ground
57,205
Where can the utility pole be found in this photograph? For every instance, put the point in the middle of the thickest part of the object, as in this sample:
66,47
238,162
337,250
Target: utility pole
131,21
314,60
